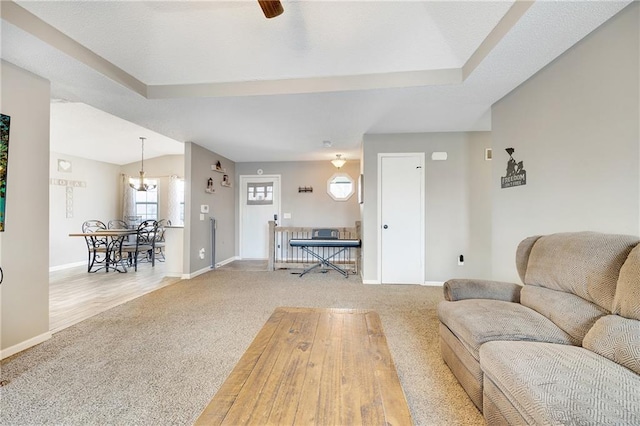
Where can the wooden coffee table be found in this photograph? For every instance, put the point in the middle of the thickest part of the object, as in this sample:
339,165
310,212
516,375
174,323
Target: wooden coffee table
313,366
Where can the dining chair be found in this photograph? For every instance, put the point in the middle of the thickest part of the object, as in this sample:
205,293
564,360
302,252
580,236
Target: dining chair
120,224
117,224
144,245
159,242
96,246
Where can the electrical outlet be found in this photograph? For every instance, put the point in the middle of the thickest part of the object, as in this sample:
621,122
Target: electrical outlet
460,260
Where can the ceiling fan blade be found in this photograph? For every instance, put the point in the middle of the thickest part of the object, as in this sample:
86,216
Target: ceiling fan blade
271,8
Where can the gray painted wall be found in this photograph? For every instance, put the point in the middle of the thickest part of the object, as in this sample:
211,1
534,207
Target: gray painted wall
99,200
311,209
24,312
457,202
222,206
575,126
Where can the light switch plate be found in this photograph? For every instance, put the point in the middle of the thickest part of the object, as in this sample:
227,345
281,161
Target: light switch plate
287,215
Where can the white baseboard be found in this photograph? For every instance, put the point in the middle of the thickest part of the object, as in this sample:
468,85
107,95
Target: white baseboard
196,273
207,269
229,260
426,283
5,353
67,266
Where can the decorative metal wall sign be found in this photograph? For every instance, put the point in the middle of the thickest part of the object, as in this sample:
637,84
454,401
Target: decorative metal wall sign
516,174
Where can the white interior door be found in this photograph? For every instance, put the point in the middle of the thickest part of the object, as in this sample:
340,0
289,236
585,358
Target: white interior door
259,202
401,218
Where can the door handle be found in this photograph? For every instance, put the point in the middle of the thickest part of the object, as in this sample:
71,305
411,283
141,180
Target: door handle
385,226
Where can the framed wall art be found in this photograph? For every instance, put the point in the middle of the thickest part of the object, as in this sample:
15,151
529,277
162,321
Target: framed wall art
5,121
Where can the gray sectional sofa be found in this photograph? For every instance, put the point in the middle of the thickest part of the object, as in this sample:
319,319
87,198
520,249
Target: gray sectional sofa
562,349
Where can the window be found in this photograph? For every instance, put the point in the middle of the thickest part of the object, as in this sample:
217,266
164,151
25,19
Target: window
340,187
259,193
147,202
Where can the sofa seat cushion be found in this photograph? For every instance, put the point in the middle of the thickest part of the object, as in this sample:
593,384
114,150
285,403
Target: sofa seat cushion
558,384
476,321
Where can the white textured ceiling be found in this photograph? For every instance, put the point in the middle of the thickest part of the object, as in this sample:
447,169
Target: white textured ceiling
179,42
170,43
84,131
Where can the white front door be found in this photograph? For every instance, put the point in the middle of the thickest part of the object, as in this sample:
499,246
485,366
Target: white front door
259,202
401,218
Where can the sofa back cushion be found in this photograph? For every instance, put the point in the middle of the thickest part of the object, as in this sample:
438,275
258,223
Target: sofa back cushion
627,299
616,338
586,264
572,314
522,254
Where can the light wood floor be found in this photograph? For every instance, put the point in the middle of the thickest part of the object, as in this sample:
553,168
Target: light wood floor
75,295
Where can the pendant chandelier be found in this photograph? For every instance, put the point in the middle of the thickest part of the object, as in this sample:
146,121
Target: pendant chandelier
141,185
338,161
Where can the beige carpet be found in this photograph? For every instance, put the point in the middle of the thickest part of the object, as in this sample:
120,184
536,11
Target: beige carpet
159,359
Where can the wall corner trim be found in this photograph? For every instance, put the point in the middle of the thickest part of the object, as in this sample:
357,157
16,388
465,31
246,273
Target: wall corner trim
371,282
5,353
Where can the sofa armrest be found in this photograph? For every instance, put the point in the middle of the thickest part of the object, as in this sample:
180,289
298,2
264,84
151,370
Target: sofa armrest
459,289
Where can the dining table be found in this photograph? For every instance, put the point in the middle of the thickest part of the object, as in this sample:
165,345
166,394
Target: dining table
112,241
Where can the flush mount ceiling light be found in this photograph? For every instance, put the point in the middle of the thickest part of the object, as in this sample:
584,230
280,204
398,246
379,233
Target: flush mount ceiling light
338,161
271,8
141,185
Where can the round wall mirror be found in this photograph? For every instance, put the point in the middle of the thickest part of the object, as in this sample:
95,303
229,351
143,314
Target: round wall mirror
340,187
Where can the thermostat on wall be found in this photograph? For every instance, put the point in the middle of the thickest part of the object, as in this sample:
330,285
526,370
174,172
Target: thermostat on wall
438,156
204,208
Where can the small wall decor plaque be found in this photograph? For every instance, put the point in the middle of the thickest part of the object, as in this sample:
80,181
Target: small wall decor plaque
64,166
209,189
516,174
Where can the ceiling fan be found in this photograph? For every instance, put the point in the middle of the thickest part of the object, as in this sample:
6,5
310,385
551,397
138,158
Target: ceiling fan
271,8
